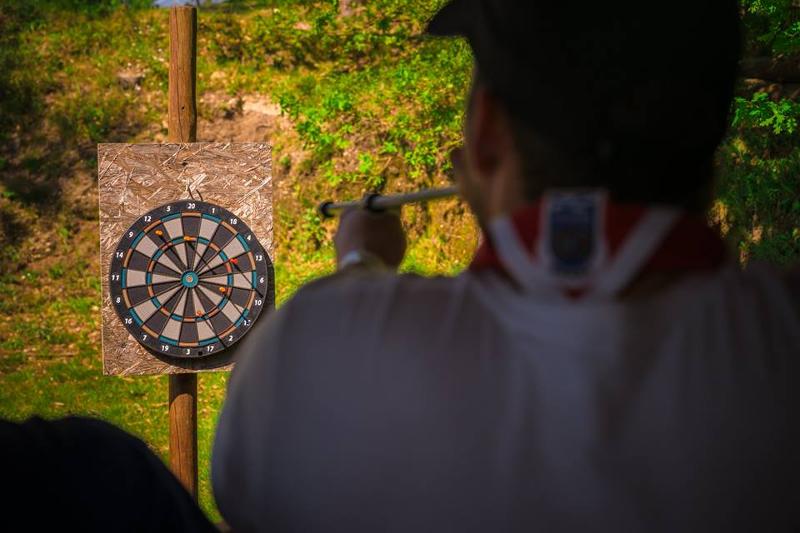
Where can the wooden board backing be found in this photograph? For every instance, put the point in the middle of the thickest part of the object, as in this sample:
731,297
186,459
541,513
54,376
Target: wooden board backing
135,178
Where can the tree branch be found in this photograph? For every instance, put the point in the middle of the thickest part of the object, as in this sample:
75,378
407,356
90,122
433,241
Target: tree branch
782,69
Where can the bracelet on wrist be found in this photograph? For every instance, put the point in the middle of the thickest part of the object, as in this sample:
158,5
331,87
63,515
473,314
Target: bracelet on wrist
363,259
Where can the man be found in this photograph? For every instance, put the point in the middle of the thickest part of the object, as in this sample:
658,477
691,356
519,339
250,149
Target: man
603,365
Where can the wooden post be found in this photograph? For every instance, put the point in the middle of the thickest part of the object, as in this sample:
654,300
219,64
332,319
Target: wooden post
183,128
182,74
183,429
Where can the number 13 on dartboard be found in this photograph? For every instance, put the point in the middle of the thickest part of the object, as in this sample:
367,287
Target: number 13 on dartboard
188,279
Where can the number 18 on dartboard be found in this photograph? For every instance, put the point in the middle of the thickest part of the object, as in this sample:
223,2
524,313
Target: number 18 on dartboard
188,279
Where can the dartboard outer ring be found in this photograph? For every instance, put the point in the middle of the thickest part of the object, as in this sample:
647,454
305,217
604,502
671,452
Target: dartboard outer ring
189,279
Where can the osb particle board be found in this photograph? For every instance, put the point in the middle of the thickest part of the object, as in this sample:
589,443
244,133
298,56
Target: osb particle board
136,178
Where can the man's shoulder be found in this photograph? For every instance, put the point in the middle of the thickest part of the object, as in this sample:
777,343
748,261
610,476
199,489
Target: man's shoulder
344,305
760,297
360,286
777,283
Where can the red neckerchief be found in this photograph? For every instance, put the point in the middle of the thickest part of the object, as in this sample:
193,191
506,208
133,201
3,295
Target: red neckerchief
690,246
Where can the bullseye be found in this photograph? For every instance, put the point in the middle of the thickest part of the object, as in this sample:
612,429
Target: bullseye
190,280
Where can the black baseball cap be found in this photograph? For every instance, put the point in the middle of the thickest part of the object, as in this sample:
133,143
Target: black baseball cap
645,77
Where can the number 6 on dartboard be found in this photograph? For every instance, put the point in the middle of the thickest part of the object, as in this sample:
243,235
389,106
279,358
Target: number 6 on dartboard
189,279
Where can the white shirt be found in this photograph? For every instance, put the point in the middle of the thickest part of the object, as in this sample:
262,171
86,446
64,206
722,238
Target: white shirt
397,403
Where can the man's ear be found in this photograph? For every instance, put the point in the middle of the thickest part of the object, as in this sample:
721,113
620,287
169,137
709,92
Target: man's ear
488,134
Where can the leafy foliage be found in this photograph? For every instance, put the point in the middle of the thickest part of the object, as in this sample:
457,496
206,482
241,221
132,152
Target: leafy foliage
760,179
761,112
759,164
773,26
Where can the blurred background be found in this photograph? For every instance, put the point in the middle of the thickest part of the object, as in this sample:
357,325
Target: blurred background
351,96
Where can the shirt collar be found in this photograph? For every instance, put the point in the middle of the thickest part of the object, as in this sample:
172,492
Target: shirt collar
581,243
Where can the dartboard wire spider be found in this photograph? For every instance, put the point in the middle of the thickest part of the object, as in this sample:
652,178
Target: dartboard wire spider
168,246
190,292
242,273
240,309
207,268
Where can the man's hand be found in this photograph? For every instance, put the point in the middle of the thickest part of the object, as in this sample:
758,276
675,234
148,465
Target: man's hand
378,234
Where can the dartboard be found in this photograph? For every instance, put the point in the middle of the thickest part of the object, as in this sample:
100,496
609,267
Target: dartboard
189,279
